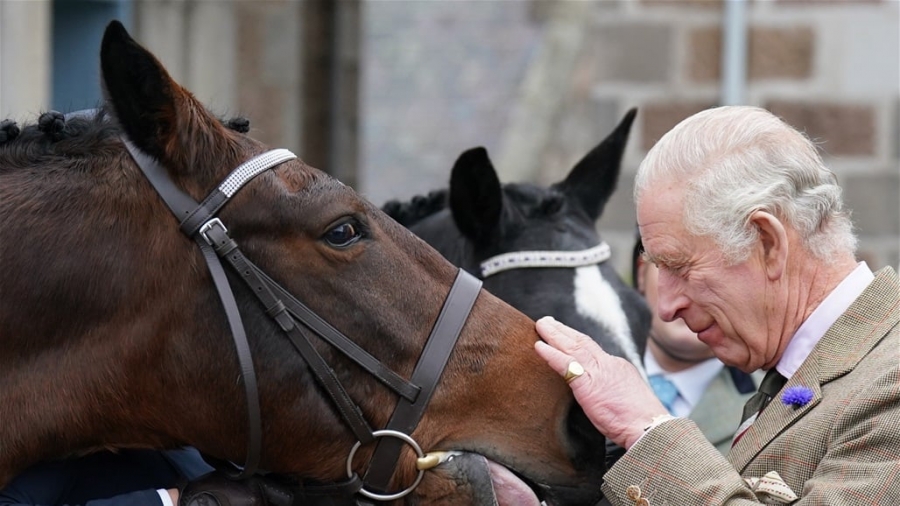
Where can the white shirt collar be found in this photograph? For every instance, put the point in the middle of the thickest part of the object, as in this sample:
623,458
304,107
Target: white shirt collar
691,382
822,318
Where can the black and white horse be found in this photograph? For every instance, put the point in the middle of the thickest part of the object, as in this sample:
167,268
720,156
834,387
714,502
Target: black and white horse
536,247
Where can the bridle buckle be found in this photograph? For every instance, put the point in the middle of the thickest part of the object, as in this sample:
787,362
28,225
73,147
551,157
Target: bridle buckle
208,226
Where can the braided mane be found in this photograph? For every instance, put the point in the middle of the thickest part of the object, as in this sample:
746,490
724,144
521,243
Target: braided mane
55,133
417,209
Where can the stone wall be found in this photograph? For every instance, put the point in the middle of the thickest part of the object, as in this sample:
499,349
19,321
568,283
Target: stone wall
540,83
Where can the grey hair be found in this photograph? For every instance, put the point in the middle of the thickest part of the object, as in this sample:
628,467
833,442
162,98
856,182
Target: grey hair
736,160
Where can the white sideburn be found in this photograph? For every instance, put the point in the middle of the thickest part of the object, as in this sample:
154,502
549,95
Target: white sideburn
596,299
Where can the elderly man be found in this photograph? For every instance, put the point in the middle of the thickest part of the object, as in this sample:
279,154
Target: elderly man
684,374
756,255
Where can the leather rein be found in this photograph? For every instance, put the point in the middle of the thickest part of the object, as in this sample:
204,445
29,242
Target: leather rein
199,222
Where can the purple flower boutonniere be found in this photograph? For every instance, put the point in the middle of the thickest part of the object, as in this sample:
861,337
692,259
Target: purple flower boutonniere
796,396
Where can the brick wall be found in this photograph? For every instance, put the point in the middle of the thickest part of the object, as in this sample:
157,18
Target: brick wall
539,83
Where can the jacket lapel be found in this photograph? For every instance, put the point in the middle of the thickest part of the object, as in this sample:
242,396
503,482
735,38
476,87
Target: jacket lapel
839,351
777,416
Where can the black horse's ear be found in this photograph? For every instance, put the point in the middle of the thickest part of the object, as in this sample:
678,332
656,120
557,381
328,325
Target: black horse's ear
476,198
594,178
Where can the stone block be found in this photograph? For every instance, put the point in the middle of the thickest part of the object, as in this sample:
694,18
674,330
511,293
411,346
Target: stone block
713,4
781,53
838,129
704,54
658,118
773,53
632,52
875,202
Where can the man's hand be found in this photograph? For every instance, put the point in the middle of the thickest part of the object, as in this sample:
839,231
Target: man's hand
611,391
216,489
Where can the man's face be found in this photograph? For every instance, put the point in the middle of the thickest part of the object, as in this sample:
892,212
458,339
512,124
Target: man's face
726,305
673,337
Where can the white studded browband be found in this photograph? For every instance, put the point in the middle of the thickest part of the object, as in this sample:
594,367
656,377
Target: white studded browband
249,169
527,259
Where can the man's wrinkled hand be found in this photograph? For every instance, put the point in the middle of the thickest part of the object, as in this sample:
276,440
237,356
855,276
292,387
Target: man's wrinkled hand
609,389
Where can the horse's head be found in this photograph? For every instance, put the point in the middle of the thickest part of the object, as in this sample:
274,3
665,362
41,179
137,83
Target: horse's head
112,333
497,230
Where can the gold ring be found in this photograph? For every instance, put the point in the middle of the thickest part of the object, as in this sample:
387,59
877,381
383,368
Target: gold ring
573,371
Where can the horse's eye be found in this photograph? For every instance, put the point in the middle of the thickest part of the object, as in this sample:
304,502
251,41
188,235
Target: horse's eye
342,235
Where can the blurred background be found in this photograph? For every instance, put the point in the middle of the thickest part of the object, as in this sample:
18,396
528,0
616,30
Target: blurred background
386,94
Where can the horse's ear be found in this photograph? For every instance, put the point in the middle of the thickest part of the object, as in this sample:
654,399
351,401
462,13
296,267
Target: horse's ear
594,178
153,110
476,198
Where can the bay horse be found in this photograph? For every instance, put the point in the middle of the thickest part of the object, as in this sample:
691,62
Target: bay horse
537,247
154,261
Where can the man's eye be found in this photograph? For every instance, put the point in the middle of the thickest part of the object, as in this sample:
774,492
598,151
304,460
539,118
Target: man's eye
675,270
680,270
342,235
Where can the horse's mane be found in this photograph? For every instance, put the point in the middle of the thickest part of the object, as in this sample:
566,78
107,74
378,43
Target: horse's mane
417,209
82,130
20,147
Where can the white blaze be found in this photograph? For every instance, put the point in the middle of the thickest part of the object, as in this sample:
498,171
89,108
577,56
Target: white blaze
596,299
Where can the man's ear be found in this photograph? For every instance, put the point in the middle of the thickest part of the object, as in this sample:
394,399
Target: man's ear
773,240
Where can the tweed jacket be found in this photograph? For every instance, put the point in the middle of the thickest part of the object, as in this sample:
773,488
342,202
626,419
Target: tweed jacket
842,448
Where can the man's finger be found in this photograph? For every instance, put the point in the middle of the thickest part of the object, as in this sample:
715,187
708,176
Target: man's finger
557,360
566,339
566,366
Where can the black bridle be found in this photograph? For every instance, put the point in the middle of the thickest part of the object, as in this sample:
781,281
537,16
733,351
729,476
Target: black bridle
199,222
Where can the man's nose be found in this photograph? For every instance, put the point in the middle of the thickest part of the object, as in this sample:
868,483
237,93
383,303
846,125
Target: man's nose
671,298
